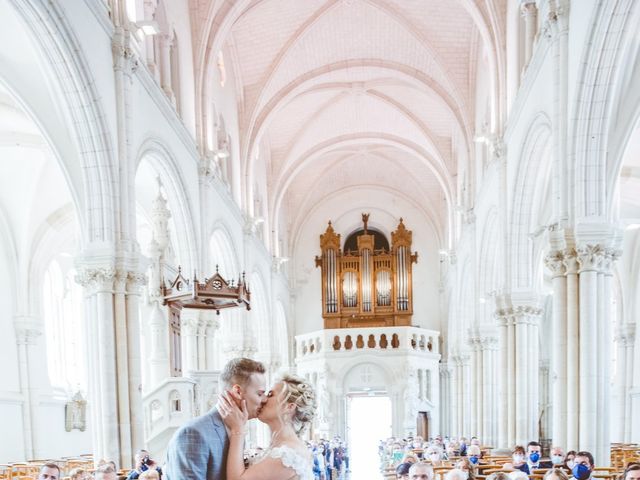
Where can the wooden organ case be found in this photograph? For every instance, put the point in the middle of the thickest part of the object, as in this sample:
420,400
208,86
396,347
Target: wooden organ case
369,286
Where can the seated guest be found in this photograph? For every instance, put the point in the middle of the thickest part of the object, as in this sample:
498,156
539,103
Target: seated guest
556,474
474,454
402,471
518,475
49,471
421,471
632,472
434,455
79,474
105,472
409,457
499,476
457,474
583,466
143,463
518,460
534,454
465,465
463,446
557,456
569,460
453,449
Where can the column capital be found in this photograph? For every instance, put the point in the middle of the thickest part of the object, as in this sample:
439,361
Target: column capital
554,261
591,257
27,334
528,8
94,277
570,261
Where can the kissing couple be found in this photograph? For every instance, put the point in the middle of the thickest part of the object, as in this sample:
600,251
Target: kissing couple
211,447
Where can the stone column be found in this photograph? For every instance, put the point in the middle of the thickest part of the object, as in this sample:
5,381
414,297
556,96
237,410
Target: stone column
99,284
622,341
159,353
134,283
503,380
454,401
533,393
554,261
545,397
465,361
521,373
570,261
473,410
630,353
189,324
485,420
149,12
590,258
26,338
212,325
530,15
166,41
445,399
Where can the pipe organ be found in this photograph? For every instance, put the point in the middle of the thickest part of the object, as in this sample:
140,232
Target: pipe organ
366,283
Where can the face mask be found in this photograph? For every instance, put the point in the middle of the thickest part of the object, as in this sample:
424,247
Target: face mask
434,457
581,472
465,475
534,457
473,459
570,464
518,458
557,459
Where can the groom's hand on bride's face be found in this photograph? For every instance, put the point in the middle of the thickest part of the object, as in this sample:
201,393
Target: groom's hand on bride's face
236,395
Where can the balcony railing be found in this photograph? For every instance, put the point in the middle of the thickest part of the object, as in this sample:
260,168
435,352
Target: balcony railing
381,339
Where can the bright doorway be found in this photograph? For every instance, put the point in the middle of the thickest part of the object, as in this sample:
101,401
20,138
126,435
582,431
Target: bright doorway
369,421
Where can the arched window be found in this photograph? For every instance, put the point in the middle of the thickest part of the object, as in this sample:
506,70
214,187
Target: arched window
62,312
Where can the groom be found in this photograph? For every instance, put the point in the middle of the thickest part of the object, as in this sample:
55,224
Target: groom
198,449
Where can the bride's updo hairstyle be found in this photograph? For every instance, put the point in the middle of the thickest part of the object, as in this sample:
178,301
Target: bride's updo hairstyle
298,391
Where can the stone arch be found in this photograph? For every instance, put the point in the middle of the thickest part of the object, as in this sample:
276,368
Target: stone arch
532,175
164,164
222,253
626,123
62,57
52,236
595,102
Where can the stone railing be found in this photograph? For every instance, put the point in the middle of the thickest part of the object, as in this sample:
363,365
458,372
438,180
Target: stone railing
168,406
174,401
379,339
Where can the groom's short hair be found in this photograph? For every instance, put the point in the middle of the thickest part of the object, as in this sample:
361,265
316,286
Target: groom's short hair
238,371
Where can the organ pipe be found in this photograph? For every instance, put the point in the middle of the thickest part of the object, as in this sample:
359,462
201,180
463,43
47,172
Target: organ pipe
369,281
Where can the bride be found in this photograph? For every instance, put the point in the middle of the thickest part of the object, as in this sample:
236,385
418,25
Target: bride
289,410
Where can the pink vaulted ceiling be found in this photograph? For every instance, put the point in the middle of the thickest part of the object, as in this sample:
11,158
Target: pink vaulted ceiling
349,93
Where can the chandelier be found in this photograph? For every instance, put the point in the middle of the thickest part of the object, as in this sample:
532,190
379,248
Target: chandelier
214,293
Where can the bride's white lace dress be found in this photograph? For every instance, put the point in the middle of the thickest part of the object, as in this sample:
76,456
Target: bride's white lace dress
300,462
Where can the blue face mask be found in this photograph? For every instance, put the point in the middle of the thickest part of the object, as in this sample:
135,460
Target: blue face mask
581,472
534,457
473,459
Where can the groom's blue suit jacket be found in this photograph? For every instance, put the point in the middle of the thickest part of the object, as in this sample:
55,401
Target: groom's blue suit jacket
198,450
